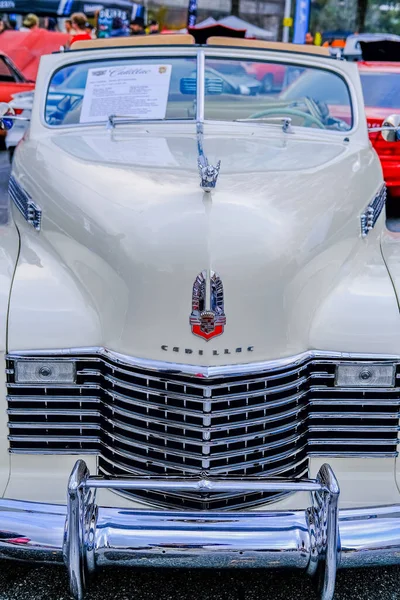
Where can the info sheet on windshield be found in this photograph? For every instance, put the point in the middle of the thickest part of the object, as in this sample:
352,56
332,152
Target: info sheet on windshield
139,91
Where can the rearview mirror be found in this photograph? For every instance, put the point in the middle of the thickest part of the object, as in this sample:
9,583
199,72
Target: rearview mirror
6,111
390,128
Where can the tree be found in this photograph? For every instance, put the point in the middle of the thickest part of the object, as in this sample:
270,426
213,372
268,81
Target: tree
362,6
379,19
235,8
335,15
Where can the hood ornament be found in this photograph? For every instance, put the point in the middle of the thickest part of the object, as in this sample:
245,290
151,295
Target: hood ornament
208,317
208,173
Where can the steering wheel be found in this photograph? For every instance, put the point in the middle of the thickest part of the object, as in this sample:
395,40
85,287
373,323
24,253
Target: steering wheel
290,112
67,103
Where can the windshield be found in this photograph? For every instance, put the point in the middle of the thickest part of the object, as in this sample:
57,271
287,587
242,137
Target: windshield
310,97
381,90
166,88
149,88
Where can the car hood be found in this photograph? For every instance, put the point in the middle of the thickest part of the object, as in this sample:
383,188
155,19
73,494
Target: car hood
125,220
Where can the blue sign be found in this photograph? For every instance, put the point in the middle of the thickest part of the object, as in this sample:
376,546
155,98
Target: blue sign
192,13
301,21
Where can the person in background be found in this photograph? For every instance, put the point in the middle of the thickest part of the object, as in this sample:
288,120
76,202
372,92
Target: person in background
68,26
79,32
318,39
30,23
309,39
3,25
118,28
339,43
154,27
13,24
52,24
90,30
137,26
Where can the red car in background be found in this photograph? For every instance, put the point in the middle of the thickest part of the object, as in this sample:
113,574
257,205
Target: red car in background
12,81
271,75
381,88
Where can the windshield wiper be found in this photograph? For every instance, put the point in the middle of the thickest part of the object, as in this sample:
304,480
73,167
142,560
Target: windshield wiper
286,122
113,120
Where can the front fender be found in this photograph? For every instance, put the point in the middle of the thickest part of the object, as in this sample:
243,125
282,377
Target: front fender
9,249
360,311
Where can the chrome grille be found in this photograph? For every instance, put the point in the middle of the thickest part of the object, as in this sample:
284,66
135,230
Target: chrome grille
141,421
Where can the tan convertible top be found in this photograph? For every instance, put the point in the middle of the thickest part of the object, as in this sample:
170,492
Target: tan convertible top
243,43
164,39
183,39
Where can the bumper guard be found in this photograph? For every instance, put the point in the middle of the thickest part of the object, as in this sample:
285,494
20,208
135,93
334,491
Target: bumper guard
81,543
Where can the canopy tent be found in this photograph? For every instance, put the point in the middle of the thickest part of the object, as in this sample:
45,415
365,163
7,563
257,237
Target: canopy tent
201,34
207,22
64,8
252,31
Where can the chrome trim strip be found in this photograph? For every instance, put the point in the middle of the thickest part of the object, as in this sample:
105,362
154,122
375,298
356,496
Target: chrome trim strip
115,381
228,370
217,413
262,461
200,86
198,428
275,472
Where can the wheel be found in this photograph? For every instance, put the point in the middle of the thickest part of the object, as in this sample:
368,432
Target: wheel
268,83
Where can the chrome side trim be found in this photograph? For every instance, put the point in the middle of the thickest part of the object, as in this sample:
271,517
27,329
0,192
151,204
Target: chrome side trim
371,214
208,371
31,212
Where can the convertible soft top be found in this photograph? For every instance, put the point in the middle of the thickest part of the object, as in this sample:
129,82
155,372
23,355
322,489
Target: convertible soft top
187,39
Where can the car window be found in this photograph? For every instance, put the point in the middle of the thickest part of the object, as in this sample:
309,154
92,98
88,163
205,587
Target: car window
6,74
146,88
381,90
310,97
321,86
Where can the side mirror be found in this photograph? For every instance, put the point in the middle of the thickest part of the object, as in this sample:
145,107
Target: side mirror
391,128
6,111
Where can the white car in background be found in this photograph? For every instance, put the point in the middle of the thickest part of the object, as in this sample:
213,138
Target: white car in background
21,103
199,318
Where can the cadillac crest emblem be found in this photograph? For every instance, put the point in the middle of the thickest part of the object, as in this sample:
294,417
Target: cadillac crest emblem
207,318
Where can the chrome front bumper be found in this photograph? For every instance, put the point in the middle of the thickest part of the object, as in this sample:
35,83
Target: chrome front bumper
85,536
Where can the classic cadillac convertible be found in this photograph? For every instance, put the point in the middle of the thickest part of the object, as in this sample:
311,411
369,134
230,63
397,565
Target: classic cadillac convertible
200,326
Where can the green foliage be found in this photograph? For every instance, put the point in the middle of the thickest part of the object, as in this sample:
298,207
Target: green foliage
378,21
334,15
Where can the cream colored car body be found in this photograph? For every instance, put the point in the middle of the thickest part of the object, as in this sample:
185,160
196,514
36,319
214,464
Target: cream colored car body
122,240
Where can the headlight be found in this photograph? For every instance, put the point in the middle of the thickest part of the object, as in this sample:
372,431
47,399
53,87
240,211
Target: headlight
244,90
363,374
32,371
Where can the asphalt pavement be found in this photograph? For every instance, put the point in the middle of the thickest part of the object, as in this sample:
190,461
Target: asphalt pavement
26,582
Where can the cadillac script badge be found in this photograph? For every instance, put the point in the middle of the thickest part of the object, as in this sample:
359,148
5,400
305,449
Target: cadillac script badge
207,318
